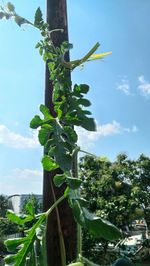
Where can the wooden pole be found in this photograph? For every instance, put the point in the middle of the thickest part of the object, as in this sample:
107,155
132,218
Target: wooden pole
57,19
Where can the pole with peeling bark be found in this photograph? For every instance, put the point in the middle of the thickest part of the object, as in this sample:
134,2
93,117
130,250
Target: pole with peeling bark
57,19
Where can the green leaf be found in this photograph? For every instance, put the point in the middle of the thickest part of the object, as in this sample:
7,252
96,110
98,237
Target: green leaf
101,228
79,89
74,183
18,219
58,147
84,88
19,20
95,225
71,134
29,208
44,134
38,19
10,7
27,248
13,244
10,259
36,122
84,102
48,163
89,124
45,111
59,179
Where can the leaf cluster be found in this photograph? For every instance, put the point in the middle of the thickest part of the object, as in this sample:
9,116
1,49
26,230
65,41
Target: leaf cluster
58,136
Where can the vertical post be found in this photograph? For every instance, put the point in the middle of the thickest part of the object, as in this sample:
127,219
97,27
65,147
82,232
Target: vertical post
57,19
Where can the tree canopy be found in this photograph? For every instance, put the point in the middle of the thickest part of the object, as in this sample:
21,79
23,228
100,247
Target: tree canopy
118,191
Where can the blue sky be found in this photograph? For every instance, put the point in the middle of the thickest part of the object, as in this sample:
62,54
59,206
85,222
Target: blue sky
120,85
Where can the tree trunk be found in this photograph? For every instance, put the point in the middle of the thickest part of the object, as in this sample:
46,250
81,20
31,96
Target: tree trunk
57,19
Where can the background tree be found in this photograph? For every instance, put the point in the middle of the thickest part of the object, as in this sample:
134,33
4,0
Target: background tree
117,191
6,226
34,201
4,205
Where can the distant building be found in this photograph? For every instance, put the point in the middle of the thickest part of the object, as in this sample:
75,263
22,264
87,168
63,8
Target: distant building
17,201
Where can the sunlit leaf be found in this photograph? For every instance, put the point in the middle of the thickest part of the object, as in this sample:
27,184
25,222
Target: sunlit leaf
48,163
98,56
59,179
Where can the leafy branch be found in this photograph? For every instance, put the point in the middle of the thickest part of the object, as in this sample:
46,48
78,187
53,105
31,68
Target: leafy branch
59,138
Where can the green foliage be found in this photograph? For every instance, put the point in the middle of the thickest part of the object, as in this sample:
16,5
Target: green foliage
59,138
38,19
4,205
31,206
117,191
95,225
26,245
7,227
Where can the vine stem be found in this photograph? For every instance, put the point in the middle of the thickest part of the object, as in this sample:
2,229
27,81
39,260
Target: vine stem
79,231
88,153
61,239
79,241
47,213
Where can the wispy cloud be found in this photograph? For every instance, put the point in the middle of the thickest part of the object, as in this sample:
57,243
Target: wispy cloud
87,139
124,86
144,86
15,140
21,181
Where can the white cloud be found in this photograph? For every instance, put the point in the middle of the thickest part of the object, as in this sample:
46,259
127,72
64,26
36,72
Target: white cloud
15,140
144,86
21,181
124,87
86,139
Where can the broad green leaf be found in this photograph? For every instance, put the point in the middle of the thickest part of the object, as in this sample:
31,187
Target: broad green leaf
13,244
74,183
58,148
101,228
36,122
48,163
71,134
38,19
84,102
84,88
86,112
59,179
89,124
20,220
44,133
27,246
10,259
62,158
45,111
78,89
95,225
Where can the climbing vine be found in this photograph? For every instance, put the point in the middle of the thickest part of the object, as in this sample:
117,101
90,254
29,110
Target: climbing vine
58,136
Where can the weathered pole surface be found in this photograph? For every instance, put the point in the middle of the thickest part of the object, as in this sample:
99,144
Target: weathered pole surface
57,19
